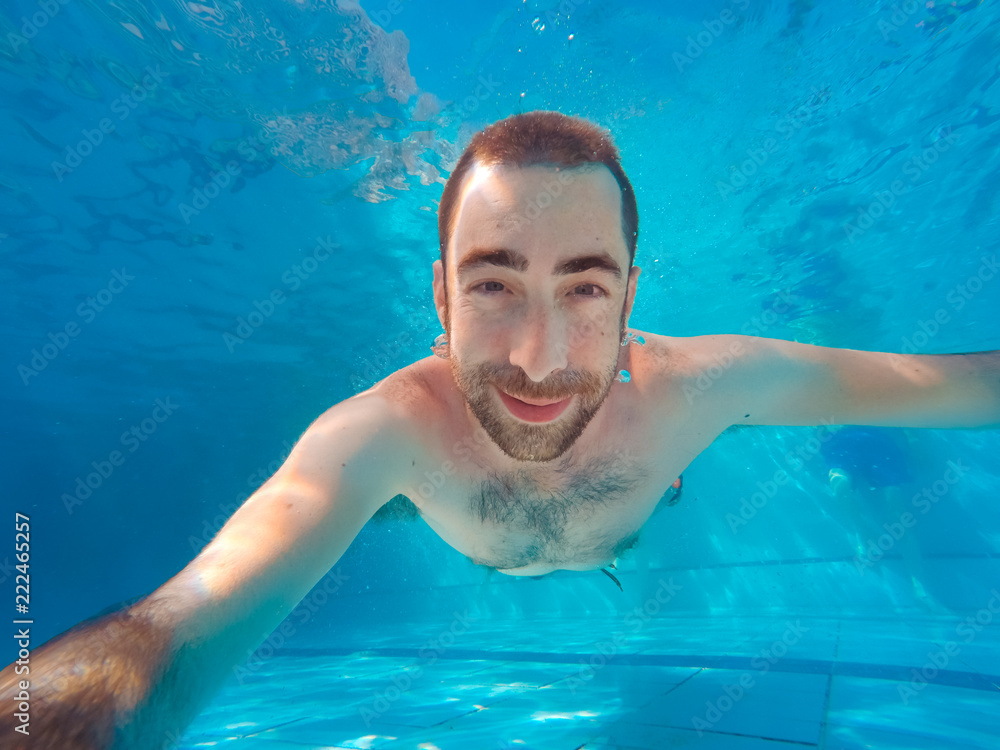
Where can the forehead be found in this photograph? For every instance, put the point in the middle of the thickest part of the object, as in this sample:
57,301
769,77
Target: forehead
540,209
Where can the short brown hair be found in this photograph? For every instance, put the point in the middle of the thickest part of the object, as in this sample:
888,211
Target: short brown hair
539,138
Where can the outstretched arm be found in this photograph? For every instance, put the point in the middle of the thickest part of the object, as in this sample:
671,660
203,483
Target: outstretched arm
776,382
135,678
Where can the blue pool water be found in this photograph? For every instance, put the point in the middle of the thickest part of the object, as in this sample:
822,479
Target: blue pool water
809,170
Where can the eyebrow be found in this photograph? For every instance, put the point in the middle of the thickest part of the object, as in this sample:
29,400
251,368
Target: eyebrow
515,261
600,262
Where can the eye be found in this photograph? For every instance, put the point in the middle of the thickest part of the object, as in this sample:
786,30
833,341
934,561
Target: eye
490,287
588,290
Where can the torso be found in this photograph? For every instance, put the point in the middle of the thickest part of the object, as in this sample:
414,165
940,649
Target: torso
577,512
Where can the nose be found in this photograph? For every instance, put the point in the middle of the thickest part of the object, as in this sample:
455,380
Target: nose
540,345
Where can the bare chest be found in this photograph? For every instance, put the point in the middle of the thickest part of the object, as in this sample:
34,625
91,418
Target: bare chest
580,511
578,515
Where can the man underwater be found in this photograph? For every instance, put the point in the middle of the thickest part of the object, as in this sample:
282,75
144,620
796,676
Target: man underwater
554,427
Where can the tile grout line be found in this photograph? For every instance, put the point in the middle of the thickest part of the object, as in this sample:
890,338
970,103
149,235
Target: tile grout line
824,722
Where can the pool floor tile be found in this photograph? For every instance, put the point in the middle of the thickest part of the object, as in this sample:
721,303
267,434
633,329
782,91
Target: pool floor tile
574,696
649,737
930,712
776,705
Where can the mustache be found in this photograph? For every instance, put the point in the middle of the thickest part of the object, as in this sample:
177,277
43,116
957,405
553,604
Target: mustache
514,381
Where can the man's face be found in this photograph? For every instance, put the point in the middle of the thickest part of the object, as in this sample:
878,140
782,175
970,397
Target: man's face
538,295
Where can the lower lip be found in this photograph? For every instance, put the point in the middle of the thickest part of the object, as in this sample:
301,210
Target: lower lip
530,413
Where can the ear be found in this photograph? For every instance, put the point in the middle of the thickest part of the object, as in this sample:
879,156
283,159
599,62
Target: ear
633,279
440,294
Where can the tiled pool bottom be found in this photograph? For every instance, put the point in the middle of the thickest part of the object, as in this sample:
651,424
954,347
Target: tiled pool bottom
768,683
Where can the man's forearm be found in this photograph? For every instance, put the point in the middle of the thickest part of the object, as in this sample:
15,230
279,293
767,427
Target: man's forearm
785,382
134,679
970,381
114,682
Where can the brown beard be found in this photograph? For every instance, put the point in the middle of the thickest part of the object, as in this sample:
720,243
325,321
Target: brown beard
530,442
533,442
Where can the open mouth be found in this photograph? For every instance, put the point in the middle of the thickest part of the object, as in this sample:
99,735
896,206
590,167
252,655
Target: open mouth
536,410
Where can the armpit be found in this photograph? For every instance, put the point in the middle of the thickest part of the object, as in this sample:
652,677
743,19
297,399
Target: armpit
400,508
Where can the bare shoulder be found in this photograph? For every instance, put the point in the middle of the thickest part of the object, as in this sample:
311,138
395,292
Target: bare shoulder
691,356
412,397
414,388
369,440
704,376
668,358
